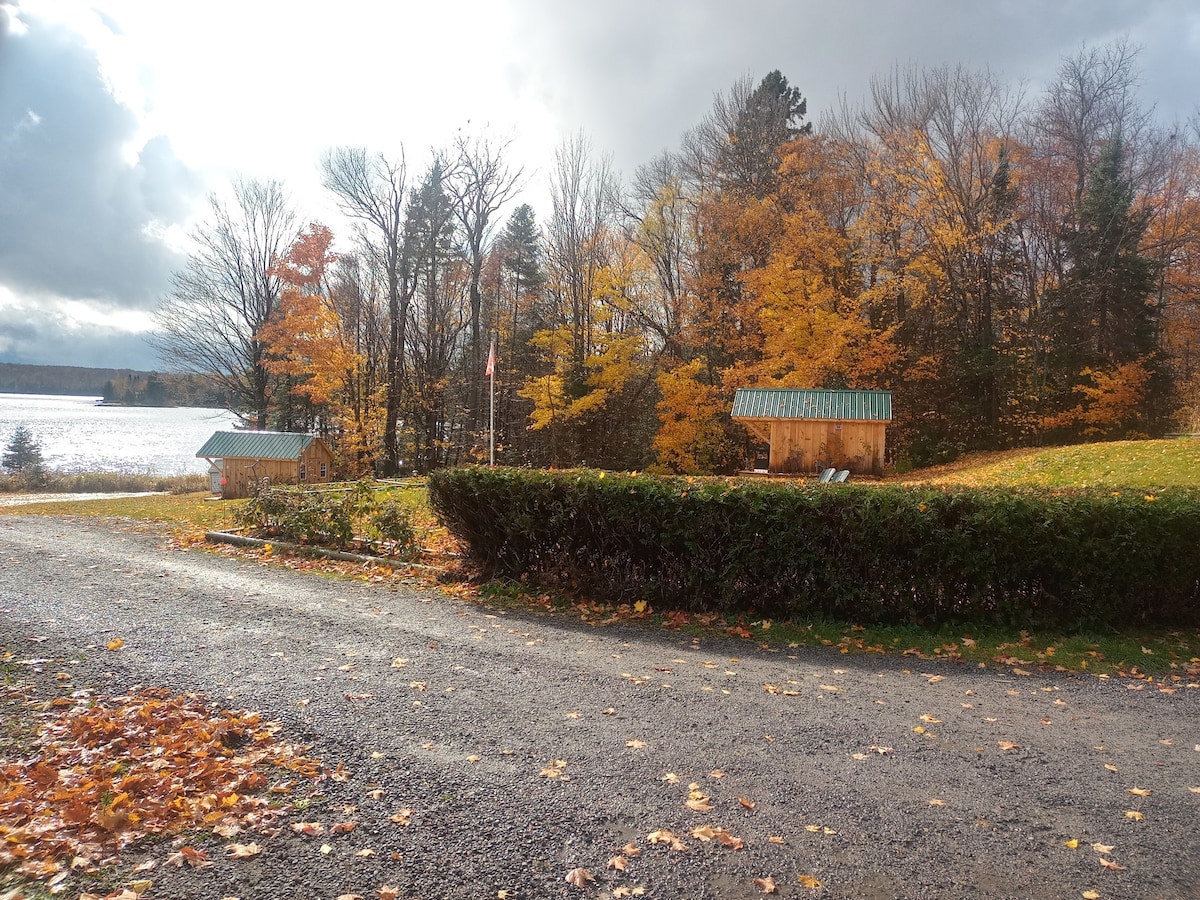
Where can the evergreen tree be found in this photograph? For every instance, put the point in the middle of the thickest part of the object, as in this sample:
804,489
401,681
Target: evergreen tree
23,456
771,116
1102,320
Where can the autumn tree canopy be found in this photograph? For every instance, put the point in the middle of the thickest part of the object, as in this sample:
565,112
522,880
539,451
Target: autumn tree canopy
1015,269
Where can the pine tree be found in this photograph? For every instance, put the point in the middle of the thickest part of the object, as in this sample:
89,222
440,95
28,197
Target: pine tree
23,456
1105,331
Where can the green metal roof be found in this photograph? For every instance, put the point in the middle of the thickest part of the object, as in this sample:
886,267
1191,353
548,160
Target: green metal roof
788,403
255,445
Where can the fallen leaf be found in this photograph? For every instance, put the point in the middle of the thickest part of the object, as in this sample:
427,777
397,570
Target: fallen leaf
579,877
716,773
699,804
115,644
1008,745
1109,864
632,849
937,802
775,839
931,719
882,751
326,849
1103,848
1194,790
1134,814
365,852
1138,792
831,687
403,817
1111,767
704,833
242,851
387,892
811,882
309,828
1090,895
609,712
350,897
618,862
766,885
635,744
342,827
733,843
746,804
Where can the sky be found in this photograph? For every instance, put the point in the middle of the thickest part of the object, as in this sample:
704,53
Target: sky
119,118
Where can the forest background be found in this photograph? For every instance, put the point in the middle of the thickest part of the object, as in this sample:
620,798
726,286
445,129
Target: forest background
1016,270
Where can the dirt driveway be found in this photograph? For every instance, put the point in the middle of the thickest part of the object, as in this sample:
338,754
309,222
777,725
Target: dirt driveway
874,777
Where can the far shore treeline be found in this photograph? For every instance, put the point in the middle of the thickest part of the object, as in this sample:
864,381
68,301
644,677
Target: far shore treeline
128,387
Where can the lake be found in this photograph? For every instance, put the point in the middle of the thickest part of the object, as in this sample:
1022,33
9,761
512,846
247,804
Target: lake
76,435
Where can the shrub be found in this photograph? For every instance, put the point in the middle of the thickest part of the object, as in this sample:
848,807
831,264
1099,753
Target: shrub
391,522
869,553
330,517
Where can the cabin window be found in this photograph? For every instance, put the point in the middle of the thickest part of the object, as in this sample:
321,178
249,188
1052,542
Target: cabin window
303,472
324,470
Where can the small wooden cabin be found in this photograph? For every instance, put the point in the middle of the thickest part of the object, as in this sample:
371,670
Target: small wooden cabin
240,459
808,430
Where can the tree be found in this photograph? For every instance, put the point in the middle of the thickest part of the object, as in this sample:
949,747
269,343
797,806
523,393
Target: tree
479,182
371,190
209,323
23,457
435,263
1101,318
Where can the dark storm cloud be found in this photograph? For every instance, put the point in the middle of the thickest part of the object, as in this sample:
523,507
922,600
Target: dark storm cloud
39,337
75,215
636,75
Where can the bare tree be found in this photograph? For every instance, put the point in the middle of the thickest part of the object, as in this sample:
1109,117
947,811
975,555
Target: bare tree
210,321
582,192
479,182
371,190
1093,100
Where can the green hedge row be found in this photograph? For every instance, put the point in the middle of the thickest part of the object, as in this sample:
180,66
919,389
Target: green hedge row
866,553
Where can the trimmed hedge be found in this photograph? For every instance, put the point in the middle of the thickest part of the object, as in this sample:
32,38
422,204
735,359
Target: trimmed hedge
865,553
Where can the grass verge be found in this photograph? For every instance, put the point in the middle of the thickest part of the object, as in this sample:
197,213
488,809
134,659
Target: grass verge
1169,659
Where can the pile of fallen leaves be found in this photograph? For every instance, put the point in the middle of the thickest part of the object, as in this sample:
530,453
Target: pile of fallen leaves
107,772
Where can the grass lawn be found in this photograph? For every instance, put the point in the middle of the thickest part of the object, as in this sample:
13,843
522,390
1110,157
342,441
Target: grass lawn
1163,659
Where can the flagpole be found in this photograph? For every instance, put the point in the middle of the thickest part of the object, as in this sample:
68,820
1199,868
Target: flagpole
492,410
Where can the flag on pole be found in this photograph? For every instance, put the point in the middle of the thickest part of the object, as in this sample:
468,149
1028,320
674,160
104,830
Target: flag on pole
491,366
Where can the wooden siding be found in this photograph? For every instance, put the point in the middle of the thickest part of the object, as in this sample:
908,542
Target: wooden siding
241,472
802,446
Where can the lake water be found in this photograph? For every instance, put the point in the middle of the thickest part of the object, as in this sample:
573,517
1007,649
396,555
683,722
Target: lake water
76,435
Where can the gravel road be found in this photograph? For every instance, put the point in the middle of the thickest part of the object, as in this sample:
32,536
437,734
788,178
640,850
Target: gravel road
487,700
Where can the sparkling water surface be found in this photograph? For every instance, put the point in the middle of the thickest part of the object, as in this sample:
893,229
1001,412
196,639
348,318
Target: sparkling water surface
77,435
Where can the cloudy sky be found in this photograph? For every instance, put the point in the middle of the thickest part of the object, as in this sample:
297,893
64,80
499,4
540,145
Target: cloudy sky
118,117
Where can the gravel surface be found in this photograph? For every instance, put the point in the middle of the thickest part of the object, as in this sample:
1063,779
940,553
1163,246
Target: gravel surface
487,700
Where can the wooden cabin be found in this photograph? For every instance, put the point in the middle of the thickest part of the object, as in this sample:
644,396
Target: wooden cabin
238,460
808,430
